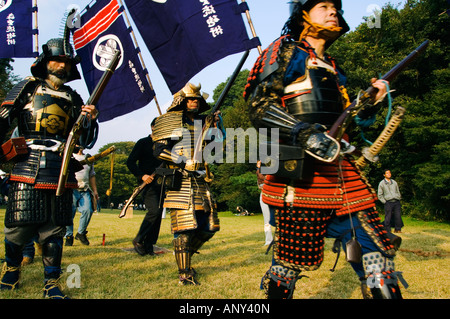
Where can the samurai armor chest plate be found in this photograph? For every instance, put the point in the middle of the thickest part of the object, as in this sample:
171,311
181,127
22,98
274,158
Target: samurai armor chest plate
315,97
47,115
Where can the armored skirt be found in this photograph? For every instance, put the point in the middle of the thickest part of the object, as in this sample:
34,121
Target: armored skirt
304,209
337,186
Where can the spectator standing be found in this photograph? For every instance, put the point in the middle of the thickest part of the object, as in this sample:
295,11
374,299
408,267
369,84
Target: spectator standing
83,198
389,195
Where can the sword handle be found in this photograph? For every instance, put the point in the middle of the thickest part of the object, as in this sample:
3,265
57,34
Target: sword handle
385,135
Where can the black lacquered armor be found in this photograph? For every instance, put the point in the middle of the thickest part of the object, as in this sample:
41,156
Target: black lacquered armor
315,98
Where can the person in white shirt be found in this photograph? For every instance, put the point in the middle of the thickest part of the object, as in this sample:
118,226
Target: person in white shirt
82,200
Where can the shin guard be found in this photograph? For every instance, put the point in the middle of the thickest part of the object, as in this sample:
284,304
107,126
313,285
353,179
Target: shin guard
279,282
182,249
51,258
382,279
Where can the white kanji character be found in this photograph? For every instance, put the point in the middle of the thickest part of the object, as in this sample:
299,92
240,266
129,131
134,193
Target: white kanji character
216,31
212,20
208,10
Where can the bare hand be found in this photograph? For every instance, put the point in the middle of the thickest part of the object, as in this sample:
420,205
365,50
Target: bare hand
382,89
90,111
147,178
217,118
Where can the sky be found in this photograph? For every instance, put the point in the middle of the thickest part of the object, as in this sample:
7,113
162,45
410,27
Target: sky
268,17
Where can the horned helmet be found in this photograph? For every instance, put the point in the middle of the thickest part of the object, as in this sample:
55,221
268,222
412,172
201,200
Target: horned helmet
189,91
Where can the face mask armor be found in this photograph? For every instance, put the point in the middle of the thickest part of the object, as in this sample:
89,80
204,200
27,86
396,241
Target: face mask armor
294,27
189,91
57,47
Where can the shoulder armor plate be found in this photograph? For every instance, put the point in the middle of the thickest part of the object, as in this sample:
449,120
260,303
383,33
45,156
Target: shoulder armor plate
267,63
168,125
28,84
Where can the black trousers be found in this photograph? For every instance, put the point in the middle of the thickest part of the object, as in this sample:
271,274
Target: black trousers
393,215
149,231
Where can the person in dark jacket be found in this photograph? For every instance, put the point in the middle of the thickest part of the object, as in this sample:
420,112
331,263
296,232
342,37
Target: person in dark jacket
143,164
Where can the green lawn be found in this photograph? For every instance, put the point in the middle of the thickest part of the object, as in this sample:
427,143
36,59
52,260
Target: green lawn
229,266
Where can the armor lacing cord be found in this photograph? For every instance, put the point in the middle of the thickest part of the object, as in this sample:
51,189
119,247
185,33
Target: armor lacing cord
7,269
319,31
55,285
341,174
336,246
188,278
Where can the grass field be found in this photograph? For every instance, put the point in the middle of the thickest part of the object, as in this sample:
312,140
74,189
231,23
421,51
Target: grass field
229,266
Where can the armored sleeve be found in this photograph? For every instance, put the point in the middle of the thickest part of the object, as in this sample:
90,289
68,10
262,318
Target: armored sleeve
163,150
14,101
265,89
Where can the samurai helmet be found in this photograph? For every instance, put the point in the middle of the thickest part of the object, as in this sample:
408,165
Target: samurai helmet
57,47
189,91
294,26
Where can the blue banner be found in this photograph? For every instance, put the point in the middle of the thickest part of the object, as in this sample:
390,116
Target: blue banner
102,31
16,29
185,36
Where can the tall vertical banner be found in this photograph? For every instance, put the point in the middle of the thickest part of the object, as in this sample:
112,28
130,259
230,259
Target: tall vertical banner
16,29
102,31
185,36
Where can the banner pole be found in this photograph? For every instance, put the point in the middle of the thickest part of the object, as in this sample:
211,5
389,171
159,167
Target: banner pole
36,35
140,58
252,27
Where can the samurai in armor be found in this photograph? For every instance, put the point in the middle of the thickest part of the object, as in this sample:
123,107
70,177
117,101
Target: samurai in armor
317,191
193,212
45,110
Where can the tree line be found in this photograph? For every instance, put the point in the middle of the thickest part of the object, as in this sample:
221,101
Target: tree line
418,154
